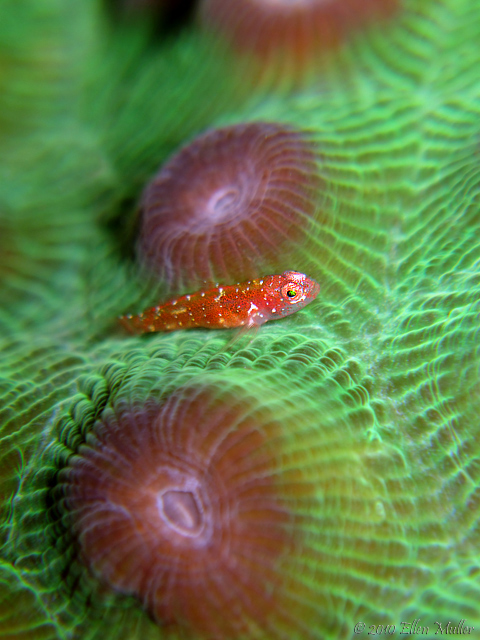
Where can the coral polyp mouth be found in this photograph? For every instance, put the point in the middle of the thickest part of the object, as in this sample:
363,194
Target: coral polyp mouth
223,203
182,510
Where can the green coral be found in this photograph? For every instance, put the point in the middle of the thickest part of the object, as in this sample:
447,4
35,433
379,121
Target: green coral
377,383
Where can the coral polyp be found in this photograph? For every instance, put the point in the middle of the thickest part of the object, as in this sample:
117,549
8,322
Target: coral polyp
178,504
230,206
290,34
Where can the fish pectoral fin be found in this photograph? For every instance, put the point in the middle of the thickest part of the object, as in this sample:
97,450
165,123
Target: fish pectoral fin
246,330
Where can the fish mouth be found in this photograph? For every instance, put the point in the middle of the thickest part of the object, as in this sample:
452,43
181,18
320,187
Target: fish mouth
314,290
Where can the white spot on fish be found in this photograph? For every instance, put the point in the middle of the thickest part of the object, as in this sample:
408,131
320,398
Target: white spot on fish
220,295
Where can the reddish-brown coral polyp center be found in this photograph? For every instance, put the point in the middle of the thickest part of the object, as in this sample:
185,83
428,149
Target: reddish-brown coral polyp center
178,504
292,33
184,509
230,205
223,202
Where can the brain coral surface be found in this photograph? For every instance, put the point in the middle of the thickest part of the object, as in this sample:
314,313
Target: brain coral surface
289,483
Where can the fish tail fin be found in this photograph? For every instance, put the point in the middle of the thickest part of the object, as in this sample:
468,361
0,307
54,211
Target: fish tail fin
133,324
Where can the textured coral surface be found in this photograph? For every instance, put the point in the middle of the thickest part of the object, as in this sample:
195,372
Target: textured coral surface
344,438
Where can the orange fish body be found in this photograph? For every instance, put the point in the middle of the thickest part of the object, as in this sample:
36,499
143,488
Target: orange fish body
248,304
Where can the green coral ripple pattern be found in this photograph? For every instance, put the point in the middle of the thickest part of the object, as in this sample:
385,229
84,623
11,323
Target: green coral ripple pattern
377,383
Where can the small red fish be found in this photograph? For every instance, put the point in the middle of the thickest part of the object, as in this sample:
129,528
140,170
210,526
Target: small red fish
248,304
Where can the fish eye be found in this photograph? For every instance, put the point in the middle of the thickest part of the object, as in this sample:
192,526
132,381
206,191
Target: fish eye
292,293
